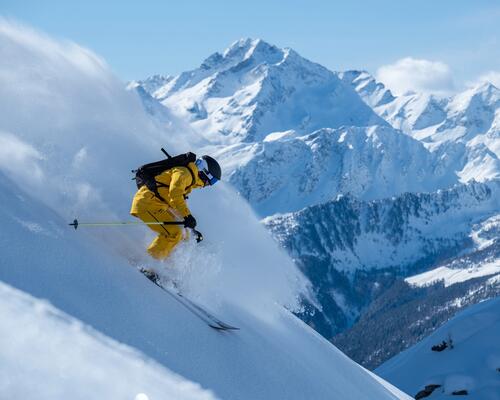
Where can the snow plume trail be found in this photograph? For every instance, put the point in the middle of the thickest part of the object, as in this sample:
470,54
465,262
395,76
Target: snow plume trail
238,261
77,132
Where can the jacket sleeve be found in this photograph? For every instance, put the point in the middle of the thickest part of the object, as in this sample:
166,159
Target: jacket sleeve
180,180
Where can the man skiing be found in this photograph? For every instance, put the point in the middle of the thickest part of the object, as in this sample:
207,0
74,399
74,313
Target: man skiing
163,187
163,199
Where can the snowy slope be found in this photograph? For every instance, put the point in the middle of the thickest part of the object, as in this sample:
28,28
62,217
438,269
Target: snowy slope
52,355
451,276
73,158
254,88
486,238
273,353
473,364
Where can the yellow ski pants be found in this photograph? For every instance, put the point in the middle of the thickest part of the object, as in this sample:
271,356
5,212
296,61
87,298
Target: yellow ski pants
168,235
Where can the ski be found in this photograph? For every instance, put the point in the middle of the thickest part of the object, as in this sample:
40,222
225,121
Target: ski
211,320
215,321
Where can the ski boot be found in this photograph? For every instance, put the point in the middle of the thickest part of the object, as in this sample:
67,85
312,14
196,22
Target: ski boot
151,275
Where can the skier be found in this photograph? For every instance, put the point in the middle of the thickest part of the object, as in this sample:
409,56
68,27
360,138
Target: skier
166,201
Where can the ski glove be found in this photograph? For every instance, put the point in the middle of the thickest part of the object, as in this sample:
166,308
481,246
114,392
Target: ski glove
189,222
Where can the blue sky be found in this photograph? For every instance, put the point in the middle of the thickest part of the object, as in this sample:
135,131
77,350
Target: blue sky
139,39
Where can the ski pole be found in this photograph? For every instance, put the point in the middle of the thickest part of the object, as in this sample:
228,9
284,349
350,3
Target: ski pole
76,224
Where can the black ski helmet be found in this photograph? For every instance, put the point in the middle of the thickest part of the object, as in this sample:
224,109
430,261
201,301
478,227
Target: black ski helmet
213,166
210,168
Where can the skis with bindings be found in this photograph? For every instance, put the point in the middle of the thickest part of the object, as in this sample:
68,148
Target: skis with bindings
211,320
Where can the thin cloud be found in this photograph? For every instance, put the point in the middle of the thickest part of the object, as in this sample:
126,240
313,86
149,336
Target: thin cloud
417,75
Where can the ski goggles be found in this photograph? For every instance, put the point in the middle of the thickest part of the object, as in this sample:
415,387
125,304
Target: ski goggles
204,173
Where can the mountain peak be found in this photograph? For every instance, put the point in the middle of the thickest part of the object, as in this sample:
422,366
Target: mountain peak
246,46
484,94
485,90
242,50
257,49
374,93
354,74
240,46
485,87
152,83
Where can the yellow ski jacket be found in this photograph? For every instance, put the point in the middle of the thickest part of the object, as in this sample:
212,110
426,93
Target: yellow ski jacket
173,185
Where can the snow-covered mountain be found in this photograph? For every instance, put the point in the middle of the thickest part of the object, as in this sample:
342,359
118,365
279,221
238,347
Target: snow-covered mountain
286,172
463,130
255,98
270,115
72,157
253,89
470,367
353,250
237,99
401,229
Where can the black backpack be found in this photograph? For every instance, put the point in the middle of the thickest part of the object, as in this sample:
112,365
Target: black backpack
145,174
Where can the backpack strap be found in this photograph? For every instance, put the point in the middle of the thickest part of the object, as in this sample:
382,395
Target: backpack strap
193,178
